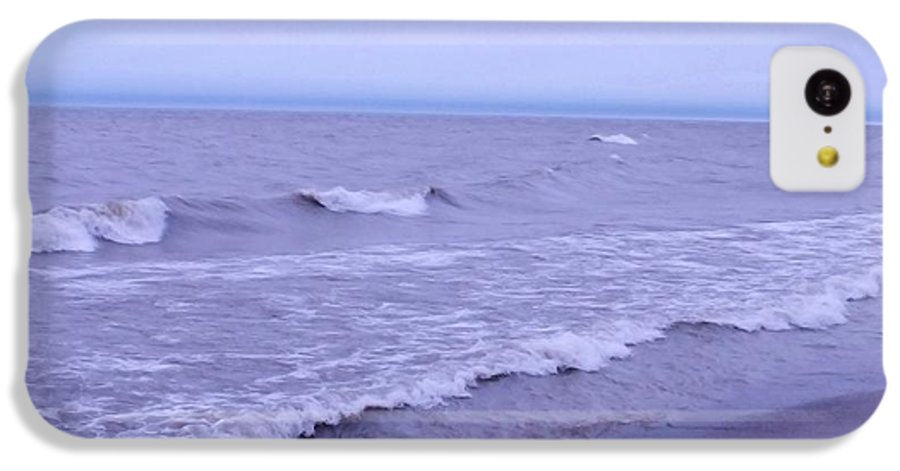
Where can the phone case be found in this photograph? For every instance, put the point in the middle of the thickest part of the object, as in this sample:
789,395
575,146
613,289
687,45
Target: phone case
437,229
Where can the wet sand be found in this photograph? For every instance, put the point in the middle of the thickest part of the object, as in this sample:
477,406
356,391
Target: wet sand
700,381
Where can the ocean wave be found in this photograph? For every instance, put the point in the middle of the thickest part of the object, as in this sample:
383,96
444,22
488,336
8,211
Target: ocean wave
536,357
550,354
779,294
818,307
144,221
130,222
399,203
614,139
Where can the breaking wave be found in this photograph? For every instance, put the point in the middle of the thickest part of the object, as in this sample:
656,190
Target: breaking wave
130,222
402,203
818,308
144,221
549,355
614,139
810,305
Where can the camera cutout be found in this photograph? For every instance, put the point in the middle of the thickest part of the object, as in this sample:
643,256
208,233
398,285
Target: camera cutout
817,120
828,92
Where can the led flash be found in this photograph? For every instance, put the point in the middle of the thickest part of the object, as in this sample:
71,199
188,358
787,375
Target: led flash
828,156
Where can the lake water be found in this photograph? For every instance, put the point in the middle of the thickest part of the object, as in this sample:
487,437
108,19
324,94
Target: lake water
248,273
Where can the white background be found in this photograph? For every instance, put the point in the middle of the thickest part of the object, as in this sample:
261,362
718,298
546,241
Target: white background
27,442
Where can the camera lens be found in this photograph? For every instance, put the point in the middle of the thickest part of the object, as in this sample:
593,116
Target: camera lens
827,92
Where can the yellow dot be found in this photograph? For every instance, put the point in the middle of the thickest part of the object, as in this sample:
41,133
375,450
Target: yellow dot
828,156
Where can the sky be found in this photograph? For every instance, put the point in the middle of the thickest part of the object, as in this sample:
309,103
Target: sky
699,71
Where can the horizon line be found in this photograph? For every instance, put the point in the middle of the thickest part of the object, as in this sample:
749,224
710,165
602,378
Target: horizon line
424,111
411,111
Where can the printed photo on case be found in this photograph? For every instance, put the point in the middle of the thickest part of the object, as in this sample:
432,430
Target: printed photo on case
455,230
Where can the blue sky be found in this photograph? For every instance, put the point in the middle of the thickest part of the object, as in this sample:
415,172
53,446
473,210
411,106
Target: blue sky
702,71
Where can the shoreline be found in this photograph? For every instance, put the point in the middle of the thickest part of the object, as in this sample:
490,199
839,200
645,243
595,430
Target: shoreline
699,381
826,418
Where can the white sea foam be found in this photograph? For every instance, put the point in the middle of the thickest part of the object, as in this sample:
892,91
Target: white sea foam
130,222
537,357
614,139
568,350
340,199
758,280
818,307
275,416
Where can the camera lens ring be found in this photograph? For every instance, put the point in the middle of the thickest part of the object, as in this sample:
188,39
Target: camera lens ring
827,92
